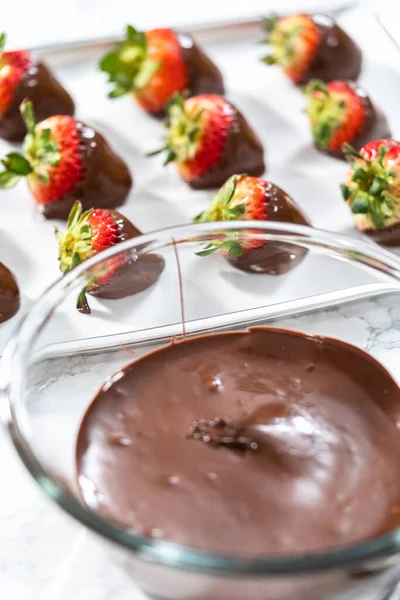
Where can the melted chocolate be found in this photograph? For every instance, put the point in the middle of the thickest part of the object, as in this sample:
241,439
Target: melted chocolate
106,181
375,127
47,95
134,276
9,294
323,414
204,77
275,258
338,56
243,153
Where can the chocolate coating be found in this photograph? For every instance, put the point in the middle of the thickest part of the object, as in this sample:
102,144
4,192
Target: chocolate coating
243,153
204,77
338,56
388,236
9,294
275,258
47,95
137,273
323,414
375,127
106,181
134,276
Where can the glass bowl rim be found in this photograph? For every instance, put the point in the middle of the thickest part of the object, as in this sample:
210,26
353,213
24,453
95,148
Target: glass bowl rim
157,551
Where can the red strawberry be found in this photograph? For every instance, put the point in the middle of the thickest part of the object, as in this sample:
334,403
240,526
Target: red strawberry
253,199
22,76
156,64
209,140
341,112
372,189
65,160
89,233
312,47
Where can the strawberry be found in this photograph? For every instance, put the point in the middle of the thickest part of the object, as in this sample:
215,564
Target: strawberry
311,47
341,112
372,189
64,160
89,233
209,140
156,64
253,199
22,76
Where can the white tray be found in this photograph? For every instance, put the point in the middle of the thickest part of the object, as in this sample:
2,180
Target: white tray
159,198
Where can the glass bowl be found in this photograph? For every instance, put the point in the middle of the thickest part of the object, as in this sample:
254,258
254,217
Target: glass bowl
58,358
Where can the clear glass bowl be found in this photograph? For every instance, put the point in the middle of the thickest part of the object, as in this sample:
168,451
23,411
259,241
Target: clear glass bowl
338,286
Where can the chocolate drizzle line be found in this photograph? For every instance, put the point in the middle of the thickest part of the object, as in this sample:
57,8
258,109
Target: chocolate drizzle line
221,432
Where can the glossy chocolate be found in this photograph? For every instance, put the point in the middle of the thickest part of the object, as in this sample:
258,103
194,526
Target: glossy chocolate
244,153
338,56
9,294
204,77
322,417
134,276
275,258
47,95
106,181
375,127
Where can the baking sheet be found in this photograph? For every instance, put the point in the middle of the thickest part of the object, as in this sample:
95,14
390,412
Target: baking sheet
160,199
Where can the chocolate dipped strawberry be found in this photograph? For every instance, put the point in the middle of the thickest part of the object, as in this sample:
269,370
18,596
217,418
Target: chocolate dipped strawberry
65,160
209,140
9,294
254,199
23,76
341,112
154,65
372,190
93,231
312,47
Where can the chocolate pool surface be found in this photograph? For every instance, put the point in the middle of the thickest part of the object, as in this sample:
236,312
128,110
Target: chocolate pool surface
260,442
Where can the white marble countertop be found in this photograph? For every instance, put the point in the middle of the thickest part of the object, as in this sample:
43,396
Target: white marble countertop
43,555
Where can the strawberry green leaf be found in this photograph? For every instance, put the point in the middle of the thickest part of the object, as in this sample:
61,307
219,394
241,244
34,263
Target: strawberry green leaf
345,191
117,92
269,59
74,215
8,180
17,164
128,66
234,248
360,205
59,235
82,303
350,152
2,42
207,251
227,191
147,71
28,115
269,23
234,212
75,260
